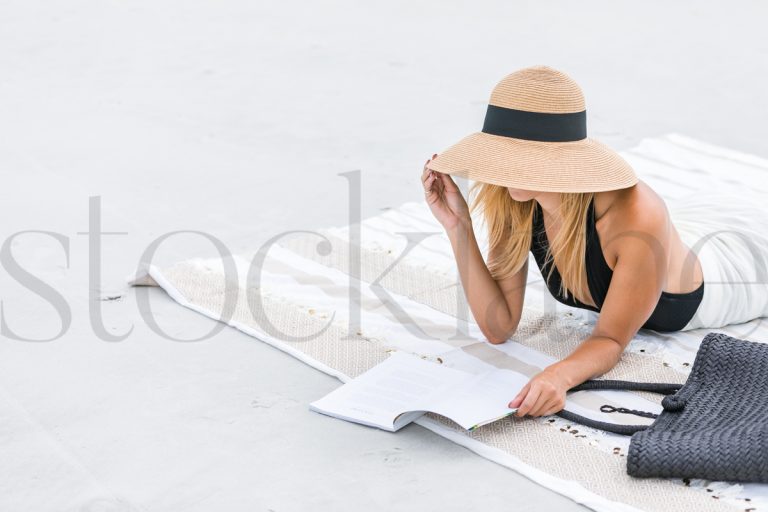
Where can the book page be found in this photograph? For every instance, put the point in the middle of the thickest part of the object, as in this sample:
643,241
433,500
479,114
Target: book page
402,383
482,399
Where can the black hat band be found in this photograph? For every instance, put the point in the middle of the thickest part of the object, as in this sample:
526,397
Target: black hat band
539,126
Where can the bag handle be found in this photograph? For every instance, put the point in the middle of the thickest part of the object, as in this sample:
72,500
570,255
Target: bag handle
663,388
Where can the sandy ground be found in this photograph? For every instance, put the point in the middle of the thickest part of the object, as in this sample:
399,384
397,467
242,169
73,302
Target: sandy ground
239,119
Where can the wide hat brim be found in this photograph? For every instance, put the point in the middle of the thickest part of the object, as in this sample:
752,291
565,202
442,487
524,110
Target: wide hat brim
585,165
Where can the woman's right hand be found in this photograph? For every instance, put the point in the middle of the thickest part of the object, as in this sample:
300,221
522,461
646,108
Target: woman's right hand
444,198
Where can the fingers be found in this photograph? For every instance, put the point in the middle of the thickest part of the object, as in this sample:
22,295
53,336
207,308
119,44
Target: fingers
520,396
429,160
429,190
447,182
537,399
426,172
530,400
557,407
548,392
545,407
443,180
431,180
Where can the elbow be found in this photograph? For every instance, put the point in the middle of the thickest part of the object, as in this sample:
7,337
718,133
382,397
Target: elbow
496,341
497,337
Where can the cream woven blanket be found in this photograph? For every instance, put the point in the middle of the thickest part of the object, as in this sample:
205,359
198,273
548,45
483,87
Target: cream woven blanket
410,299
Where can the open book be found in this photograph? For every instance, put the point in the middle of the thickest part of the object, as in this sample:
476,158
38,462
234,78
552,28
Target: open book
403,387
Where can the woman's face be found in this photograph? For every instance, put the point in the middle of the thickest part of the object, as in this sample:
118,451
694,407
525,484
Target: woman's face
522,195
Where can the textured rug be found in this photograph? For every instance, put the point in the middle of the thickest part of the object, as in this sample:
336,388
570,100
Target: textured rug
397,271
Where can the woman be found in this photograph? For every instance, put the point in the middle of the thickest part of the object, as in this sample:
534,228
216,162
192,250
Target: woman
602,238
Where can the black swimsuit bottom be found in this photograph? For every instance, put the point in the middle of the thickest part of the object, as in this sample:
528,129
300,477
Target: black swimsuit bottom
672,312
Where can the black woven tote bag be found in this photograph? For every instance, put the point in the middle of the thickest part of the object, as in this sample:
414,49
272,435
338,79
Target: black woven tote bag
715,426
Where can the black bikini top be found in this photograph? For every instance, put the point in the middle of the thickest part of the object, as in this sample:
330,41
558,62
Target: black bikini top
672,312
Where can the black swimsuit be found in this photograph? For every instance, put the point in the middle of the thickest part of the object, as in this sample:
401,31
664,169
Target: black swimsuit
672,312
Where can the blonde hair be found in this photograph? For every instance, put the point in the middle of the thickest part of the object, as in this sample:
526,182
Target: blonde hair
509,231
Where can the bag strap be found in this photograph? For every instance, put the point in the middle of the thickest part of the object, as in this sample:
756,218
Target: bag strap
598,384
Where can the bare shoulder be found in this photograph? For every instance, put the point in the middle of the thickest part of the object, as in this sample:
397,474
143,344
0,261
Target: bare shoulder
637,209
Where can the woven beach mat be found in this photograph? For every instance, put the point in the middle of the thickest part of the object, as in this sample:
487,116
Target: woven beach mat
397,271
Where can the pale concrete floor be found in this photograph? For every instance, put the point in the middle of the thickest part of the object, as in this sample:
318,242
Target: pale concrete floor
237,119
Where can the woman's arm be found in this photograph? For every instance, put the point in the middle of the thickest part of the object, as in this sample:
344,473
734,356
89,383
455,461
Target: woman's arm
592,358
636,285
496,305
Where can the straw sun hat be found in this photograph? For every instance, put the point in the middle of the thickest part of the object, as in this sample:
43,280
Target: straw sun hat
535,137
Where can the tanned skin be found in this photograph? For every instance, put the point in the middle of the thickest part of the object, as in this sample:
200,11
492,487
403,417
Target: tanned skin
640,245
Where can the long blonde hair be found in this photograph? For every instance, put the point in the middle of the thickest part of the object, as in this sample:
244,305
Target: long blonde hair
509,229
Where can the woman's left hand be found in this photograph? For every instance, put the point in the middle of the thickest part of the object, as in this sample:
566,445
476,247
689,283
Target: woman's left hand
544,394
